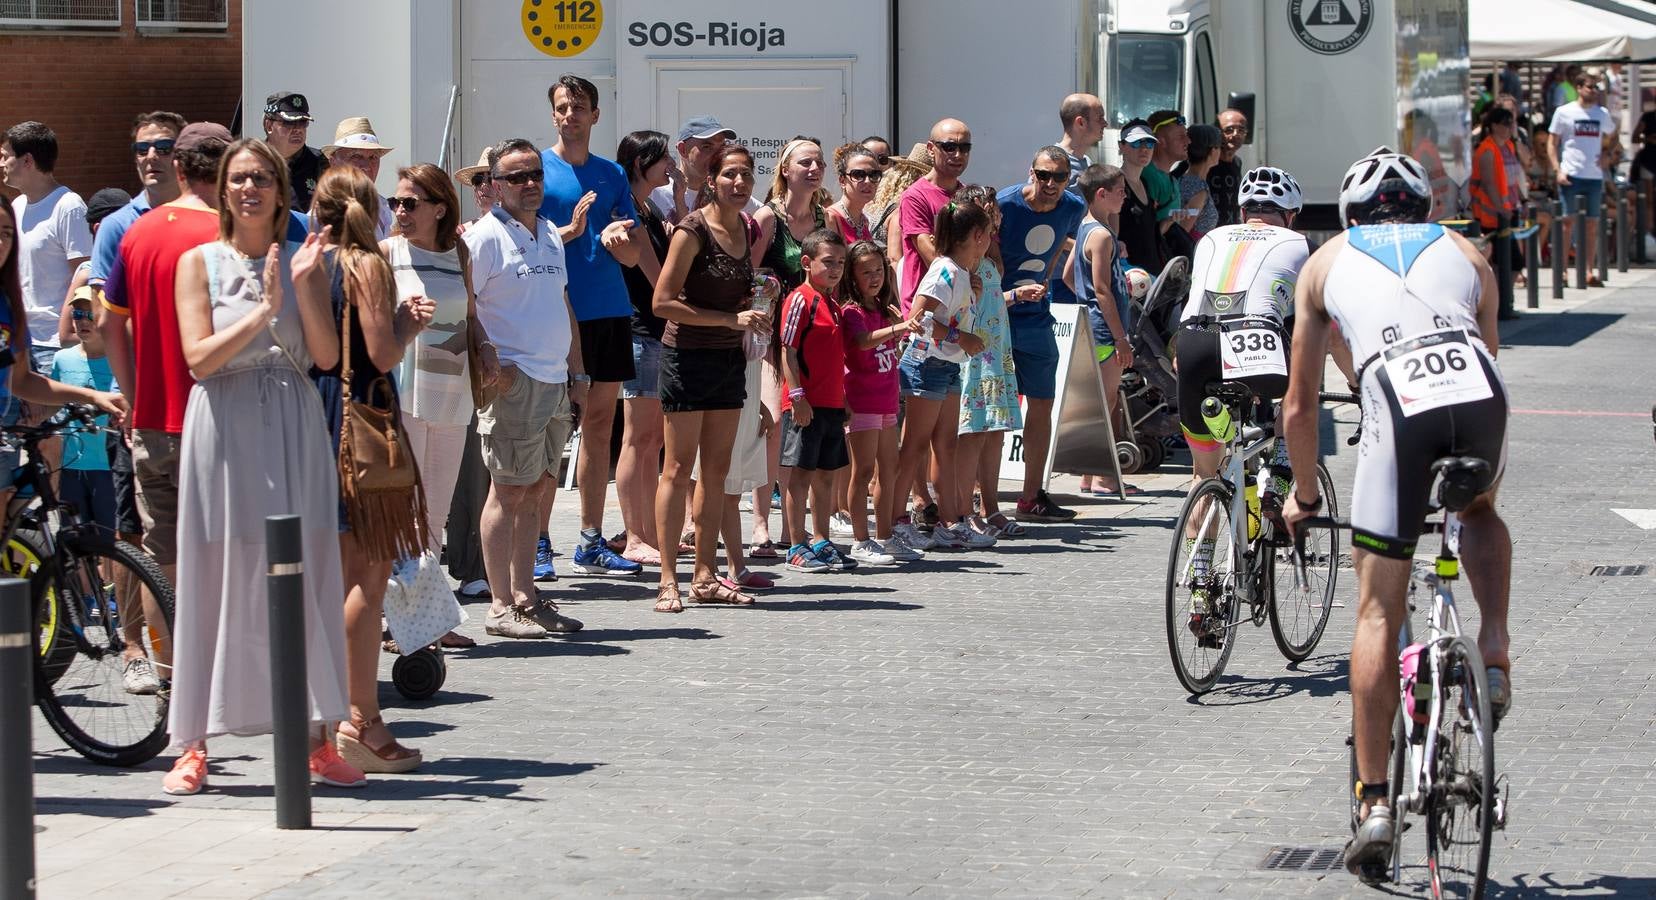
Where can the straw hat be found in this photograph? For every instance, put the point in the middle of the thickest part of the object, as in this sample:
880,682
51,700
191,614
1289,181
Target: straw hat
464,176
918,161
355,133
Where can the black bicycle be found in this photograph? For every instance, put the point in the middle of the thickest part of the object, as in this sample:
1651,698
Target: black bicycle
99,603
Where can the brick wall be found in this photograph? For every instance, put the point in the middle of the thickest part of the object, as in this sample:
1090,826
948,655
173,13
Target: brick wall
88,86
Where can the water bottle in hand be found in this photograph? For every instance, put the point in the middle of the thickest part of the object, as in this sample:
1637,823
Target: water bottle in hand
765,291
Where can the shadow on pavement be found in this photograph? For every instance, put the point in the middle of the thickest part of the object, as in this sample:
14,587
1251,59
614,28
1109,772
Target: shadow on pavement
507,648
831,604
603,635
1562,330
1547,885
104,807
1319,676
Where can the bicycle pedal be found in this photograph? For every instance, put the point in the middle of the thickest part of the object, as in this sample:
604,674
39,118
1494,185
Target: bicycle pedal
1500,804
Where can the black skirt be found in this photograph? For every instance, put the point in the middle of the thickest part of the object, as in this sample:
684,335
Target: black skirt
693,379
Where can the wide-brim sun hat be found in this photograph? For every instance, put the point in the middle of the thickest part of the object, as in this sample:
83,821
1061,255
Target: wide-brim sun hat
355,133
465,175
918,161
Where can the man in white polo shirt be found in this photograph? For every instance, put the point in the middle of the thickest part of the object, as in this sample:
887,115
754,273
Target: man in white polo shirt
521,278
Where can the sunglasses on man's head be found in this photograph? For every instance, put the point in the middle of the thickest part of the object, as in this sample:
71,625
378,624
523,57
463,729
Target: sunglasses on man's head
163,147
1176,120
521,178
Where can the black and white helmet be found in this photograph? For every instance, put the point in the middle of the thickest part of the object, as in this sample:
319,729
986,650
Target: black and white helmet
1269,186
1387,182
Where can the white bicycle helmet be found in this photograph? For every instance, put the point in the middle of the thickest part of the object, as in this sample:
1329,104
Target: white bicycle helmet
1385,181
1270,186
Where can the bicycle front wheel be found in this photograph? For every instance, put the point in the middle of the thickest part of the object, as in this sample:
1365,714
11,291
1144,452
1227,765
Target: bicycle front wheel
1299,613
1460,813
1202,607
92,704
21,558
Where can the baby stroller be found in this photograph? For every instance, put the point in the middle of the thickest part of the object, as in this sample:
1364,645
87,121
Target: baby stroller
1150,390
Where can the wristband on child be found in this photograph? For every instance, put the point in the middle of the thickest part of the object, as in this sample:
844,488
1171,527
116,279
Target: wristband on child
796,393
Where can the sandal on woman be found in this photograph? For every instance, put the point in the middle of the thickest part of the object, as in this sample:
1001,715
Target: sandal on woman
753,581
764,550
388,758
719,592
1009,527
667,599
643,554
454,640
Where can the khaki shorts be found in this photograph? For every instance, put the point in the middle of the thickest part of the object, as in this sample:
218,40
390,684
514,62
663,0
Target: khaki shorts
523,432
155,471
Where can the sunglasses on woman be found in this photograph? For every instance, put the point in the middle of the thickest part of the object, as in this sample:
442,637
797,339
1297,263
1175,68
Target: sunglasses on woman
408,203
861,175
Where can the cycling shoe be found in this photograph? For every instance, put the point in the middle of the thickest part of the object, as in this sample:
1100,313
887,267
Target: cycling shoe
1368,854
1500,693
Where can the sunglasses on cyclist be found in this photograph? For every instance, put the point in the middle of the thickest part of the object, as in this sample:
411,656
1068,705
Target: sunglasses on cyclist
521,178
953,146
163,147
1046,177
408,203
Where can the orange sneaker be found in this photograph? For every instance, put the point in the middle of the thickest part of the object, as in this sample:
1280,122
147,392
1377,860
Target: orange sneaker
188,775
329,768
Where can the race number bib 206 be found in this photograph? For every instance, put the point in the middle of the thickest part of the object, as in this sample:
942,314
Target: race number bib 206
1246,350
1434,370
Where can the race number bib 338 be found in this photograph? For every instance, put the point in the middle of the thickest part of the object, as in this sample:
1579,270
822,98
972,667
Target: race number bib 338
1246,350
1437,369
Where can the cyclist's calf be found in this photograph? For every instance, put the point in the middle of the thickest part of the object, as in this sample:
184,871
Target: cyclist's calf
1486,552
1382,590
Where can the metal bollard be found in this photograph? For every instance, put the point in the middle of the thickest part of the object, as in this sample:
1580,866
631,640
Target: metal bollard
1559,251
1581,243
1503,265
1603,245
289,687
17,857
1532,265
1622,225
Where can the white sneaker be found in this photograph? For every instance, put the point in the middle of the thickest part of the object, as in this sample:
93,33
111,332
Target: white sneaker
913,537
473,590
139,677
972,539
871,553
839,525
747,503
895,548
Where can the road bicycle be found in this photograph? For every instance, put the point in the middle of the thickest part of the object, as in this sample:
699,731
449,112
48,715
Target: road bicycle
1442,760
83,583
1232,561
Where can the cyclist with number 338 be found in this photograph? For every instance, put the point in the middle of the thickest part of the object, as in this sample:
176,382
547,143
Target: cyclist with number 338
1416,305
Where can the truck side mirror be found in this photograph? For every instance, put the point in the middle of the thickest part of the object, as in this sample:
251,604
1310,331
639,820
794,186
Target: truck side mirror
1244,101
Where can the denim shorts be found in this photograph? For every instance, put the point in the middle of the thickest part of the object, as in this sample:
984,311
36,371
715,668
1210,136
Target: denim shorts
646,381
1590,188
934,379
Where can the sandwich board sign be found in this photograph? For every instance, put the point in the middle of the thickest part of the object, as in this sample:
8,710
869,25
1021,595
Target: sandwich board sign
1083,440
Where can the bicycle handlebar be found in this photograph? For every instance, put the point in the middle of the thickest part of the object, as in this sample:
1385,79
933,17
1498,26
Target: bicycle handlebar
1326,397
73,417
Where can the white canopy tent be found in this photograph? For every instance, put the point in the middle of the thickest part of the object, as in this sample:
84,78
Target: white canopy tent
1559,31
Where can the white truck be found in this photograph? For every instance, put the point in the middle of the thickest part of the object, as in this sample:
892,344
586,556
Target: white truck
1330,79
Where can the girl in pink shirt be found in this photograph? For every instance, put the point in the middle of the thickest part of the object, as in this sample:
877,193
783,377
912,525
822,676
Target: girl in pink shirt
873,331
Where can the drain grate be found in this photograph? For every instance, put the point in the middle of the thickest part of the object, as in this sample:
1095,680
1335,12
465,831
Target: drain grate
1608,571
1302,859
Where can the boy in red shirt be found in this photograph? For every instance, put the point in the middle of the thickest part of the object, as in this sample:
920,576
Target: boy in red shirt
813,404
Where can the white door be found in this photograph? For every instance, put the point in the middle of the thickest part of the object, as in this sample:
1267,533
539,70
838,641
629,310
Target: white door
766,102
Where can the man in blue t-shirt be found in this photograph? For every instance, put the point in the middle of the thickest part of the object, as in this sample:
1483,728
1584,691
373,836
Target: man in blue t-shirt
590,200
1037,217
153,135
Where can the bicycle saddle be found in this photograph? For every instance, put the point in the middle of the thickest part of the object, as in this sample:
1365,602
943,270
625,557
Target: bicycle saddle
1232,393
1464,478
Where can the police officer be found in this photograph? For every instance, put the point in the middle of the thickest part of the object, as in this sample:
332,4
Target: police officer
287,119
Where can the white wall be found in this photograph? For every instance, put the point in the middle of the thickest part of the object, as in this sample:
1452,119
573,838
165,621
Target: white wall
389,60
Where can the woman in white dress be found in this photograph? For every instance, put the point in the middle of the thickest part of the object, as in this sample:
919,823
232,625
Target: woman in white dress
254,445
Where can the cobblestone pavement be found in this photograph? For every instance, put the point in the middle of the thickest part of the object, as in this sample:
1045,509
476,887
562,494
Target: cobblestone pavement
993,723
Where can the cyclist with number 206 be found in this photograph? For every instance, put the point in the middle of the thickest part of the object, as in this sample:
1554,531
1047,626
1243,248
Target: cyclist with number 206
1416,304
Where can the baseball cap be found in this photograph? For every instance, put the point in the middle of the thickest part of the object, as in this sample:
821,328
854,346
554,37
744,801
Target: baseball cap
105,202
289,106
196,134
1135,131
700,128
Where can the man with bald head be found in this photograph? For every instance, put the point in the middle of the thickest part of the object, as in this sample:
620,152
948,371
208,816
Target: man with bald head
1226,175
1082,116
951,149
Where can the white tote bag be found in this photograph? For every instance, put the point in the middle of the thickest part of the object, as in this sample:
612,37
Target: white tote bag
419,606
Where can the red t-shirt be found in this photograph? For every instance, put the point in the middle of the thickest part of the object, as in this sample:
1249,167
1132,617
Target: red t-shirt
140,287
916,215
811,325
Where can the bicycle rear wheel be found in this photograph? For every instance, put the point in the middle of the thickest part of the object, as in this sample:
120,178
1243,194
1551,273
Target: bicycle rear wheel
1202,608
1299,615
1460,812
88,704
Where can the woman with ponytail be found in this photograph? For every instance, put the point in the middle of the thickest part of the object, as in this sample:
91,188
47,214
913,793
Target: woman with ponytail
351,270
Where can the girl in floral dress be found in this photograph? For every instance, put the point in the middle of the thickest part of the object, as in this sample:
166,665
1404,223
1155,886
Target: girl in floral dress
989,389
